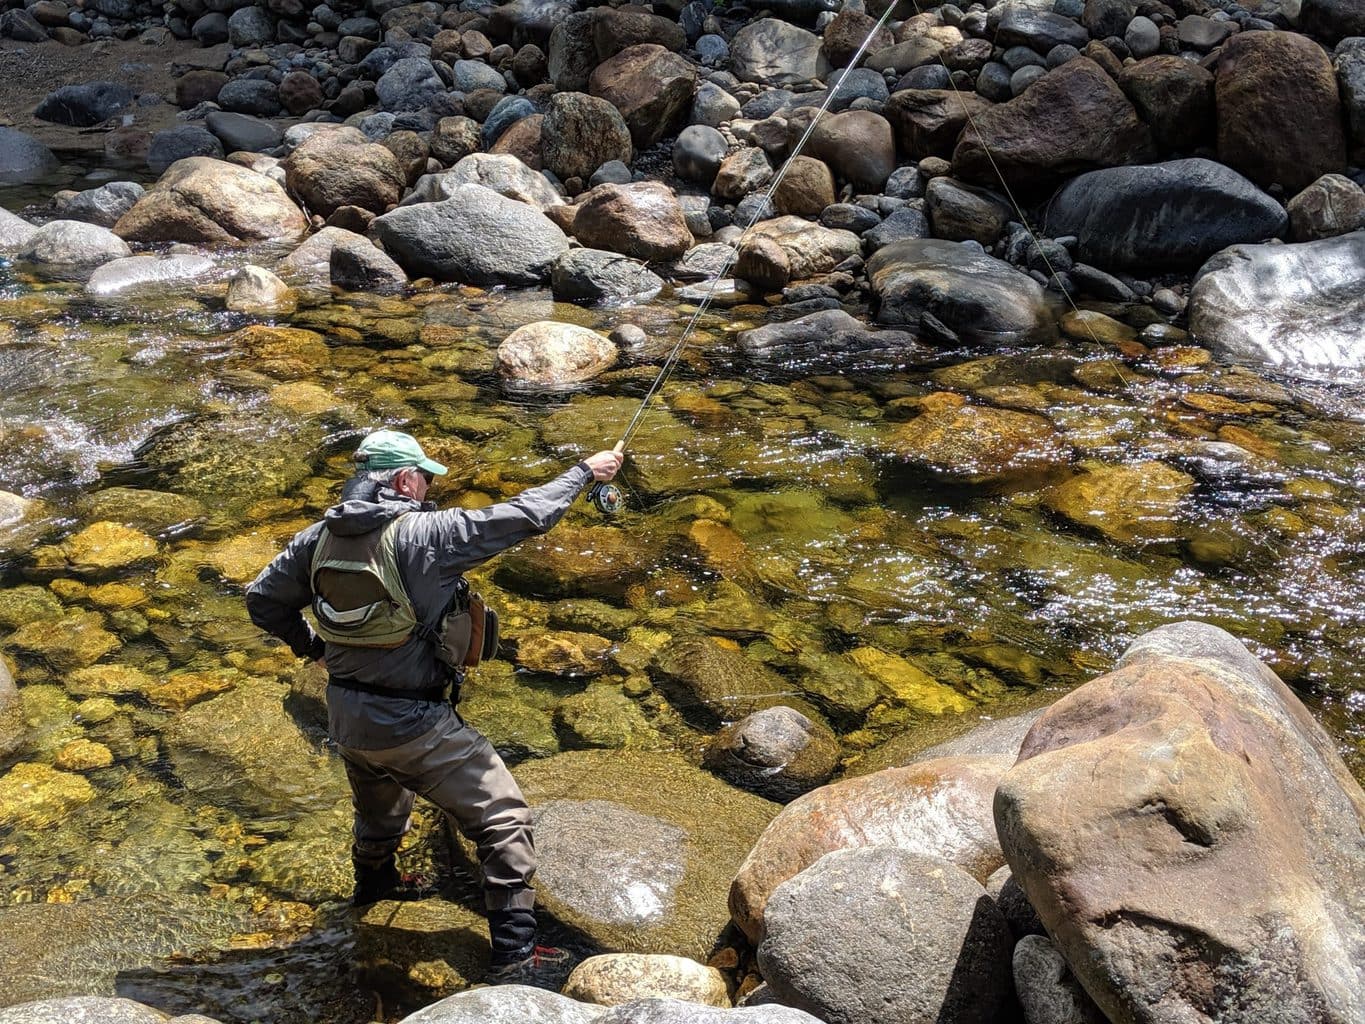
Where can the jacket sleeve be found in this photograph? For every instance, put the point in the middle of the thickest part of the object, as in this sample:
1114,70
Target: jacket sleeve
465,538
275,599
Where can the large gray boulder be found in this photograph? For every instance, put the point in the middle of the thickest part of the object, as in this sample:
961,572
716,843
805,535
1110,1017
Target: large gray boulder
879,935
141,274
182,141
14,231
772,52
475,237
411,84
1297,306
103,205
506,1004
971,294
84,105
23,158
81,1010
596,275
73,243
674,1011
502,172
1169,215
1192,841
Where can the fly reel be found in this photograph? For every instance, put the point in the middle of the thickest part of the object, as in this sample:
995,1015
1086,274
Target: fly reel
607,497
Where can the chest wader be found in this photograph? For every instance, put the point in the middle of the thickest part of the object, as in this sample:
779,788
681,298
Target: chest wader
360,600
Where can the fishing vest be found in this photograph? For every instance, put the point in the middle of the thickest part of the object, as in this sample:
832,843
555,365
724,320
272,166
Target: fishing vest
360,600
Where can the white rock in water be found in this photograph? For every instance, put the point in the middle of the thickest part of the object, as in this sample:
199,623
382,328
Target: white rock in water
256,290
1296,306
552,353
141,273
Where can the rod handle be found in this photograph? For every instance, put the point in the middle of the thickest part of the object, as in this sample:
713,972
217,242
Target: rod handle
620,446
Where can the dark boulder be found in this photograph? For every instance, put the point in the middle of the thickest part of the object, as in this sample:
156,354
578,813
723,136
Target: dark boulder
84,105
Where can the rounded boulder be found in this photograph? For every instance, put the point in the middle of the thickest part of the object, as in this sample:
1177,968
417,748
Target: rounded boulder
549,353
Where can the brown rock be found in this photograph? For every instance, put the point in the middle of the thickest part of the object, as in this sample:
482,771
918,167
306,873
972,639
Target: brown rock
525,141
642,219
939,808
1333,205
785,249
650,86
1279,113
741,173
975,444
196,87
1128,504
1175,97
411,153
806,190
1074,118
300,93
582,133
846,33
858,145
617,29
203,200
927,122
127,145
454,138
1192,841
340,167
447,46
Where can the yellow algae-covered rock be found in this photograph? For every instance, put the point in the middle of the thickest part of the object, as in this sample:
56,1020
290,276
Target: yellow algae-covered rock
975,444
302,398
1127,504
240,558
562,653
106,546
108,680
185,689
115,596
84,756
35,795
902,682
73,642
286,353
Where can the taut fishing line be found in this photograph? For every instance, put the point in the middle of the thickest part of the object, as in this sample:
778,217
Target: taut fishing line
607,497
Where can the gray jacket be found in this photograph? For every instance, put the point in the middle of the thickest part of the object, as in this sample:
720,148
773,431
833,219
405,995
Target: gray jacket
434,548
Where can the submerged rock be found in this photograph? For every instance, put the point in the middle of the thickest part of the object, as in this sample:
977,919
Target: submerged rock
719,681
882,934
477,237
143,274
970,294
1128,504
939,808
1296,306
637,850
256,290
37,797
11,713
1170,215
1192,841
975,444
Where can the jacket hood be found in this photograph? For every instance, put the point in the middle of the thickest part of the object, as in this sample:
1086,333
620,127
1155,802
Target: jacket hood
366,506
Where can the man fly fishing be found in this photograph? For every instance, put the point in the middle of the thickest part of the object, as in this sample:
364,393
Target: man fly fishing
396,629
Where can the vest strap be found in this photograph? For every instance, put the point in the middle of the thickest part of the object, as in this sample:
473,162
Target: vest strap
428,695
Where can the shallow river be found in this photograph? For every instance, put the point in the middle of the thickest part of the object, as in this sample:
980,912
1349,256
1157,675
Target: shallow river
766,505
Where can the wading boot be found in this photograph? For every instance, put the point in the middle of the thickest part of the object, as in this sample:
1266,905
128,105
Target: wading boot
383,882
517,959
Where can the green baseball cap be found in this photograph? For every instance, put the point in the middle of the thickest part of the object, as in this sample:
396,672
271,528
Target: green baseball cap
392,449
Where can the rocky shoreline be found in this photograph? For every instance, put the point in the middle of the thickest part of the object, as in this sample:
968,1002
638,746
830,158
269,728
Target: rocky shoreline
607,153
1192,171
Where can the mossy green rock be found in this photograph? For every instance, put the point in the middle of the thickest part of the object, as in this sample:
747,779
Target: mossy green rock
37,796
594,561
146,509
106,547
974,444
224,460
513,727
717,681
242,750
423,950
603,716
11,714
22,605
562,652
1128,504
637,850
69,643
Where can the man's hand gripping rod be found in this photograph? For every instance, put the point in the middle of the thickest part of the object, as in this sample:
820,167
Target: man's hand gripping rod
607,496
